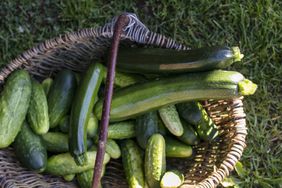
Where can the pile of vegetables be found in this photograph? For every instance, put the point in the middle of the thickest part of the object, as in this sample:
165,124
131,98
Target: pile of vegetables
156,113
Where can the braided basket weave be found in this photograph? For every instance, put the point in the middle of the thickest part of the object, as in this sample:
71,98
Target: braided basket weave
211,162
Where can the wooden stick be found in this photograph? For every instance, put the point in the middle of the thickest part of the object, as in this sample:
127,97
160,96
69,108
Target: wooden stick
119,25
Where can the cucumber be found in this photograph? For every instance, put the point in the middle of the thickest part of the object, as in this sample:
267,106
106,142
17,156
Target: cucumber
158,60
189,136
170,117
132,163
14,103
92,126
81,109
30,149
161,127
56,142
175,148
113,149
84,179
155,162
46,84
60,96
138,99
121,130
64,124
194,113
37,114
64,164
172,179
69,177
146,126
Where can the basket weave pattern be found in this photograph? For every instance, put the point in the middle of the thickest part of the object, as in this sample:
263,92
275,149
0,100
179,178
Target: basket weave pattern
210,163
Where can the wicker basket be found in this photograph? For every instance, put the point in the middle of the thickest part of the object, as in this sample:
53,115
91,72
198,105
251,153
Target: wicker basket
211,162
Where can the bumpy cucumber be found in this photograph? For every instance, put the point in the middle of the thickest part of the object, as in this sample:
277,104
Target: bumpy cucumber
189,136
92,126
56,142
46,84
37,114
155,163
194,113
30,149
172,179
81,109
171,119
121,130
14,103
175,148
84,179
133,164
60,96
112,148
146,126
69,177
158,60
64,164
138,99
64,124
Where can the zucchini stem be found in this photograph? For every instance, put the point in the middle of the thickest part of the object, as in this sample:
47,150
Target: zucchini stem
247,87
237,54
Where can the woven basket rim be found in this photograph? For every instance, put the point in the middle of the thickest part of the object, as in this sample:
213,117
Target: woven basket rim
140,34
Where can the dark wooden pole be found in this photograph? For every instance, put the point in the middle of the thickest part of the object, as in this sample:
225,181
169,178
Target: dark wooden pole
118,28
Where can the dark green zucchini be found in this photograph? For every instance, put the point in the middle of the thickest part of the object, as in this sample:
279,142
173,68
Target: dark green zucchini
80,113
158,60
138,99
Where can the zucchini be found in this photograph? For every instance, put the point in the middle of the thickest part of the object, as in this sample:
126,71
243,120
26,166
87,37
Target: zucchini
155,162
30,149
60,96
133,164
14,103
121,130
64,164
146,126
172,179
80,113
46,84
56,142
170,117
158,60
189,136
37,114
194,113
138,99
175,148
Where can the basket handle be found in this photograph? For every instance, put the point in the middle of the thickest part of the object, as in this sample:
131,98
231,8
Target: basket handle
120,24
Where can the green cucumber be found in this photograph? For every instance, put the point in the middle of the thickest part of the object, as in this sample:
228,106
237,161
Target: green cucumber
138,99
170,117
189,136
81,109
159,60
175,148
46,84
161,127
121,130
56,142
133,164
84,179
172,179
92,126
60,96
64,164
37,114
69,177
194,113
155,162
14,103
64,124
146,126
30,149
113,149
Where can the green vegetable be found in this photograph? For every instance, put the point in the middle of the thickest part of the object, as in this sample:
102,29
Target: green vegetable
155,163
189,136
64,124
69,177
146,126
60,96
121,130
37,114
159,60
46,84
64,164
113,149
14,103
170,117
138,99
175,148
194,113
81,109
30,149
172,179
92,126
84,179
133,164
56,142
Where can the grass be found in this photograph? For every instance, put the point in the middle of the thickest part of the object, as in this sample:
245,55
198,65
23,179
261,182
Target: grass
255,27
